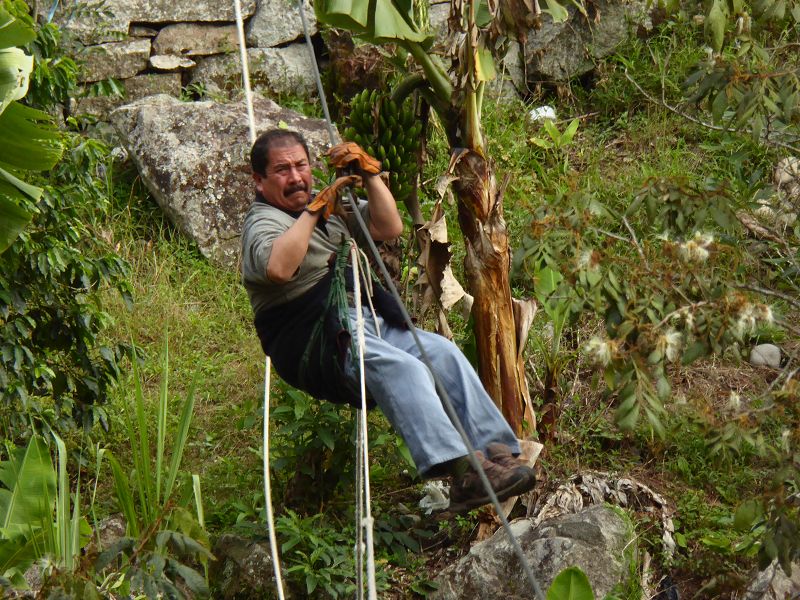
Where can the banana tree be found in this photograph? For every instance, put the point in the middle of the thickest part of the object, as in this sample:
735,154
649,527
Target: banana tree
500,323
28,140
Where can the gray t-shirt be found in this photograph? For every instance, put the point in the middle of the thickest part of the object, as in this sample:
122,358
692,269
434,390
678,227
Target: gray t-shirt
262,225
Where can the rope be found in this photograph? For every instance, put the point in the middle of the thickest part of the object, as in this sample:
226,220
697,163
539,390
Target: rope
273,542
251,120
248,93
440,389
363,446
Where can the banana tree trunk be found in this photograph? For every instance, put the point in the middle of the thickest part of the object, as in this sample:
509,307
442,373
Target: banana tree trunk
487,267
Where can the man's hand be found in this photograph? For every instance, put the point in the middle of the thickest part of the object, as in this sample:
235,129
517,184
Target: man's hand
328,198
349,155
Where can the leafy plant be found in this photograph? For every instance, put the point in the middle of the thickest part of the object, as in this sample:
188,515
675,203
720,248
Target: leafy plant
39,515
54,369
162,532
570,584
317,557
29,142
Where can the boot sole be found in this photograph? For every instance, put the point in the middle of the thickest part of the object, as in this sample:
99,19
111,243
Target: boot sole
520,487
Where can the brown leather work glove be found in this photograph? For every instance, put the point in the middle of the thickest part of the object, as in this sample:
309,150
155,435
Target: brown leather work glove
328,198
351,155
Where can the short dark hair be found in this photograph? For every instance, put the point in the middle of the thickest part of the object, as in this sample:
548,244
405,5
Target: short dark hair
274,138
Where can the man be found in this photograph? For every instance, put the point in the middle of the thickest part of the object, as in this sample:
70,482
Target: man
294,263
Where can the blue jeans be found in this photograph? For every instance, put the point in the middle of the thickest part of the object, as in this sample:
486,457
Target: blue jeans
403,388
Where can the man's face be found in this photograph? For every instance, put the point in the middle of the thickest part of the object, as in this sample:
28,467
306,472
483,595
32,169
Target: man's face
287,183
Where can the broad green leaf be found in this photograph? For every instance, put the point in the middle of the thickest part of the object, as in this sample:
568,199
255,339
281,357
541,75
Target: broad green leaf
627,413
17,554
718,106
484,65
30,141
569,132
13,218
715,24
352,15
30,482
547,281
483,16
15,68
551,130
389,25
570,584
556,11
13,31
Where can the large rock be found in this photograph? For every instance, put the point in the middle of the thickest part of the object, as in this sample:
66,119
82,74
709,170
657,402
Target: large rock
774,584
265,31
93,26
120,60
597,539
194,158
196,39
243,569
273,71
137,87
560,51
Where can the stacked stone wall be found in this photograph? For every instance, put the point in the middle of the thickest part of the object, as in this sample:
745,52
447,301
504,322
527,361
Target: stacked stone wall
187,47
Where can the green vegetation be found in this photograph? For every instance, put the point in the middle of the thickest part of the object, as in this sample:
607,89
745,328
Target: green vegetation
626,216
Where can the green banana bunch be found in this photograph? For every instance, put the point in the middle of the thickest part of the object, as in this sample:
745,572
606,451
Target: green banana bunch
390,133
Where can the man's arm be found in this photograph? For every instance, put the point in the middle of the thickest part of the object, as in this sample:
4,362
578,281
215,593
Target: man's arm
384,219
290,248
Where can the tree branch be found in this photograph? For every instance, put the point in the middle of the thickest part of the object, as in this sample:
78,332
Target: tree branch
688,117
767,292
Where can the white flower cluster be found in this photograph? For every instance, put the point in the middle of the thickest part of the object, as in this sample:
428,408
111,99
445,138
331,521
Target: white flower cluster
600,351
696,249
749,316
669,344
586,261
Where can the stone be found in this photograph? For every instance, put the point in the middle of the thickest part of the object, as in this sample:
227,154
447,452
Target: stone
137,87
170,62
94,26
196,39
597,539
110,530
766,355
273,71
142,31
438,13
243,569
265,31
558,52
119,60
194,159
774,584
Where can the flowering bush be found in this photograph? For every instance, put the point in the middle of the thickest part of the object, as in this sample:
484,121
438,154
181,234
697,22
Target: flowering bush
668,292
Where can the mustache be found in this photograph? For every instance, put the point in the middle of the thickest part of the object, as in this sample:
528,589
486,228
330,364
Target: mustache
300,187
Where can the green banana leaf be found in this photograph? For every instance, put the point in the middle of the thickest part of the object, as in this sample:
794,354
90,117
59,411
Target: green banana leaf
15,69
376,21
30,486
13,218
30,141
17,554
13,31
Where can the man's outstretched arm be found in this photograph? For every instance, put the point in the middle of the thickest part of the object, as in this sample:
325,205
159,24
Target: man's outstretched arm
385,222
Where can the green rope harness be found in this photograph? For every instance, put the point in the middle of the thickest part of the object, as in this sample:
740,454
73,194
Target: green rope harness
337,301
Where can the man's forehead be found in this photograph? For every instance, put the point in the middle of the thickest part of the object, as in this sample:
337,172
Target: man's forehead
287,153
